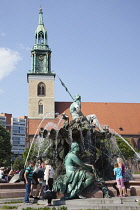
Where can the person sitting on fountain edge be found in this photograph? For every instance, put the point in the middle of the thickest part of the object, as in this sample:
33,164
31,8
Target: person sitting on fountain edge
78,176
77,115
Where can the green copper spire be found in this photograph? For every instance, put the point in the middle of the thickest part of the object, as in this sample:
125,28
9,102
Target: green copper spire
41,32
41,53
41,18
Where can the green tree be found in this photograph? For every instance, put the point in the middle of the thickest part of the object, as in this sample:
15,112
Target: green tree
5,147
18,164
127,152
32,155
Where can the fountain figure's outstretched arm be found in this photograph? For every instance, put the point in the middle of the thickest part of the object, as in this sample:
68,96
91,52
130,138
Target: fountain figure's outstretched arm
92,118
76,113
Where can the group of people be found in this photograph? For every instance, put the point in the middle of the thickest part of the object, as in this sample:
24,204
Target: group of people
41,175
119,172
6,174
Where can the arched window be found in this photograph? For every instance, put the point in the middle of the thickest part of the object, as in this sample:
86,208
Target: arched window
41,89
40,107
41,37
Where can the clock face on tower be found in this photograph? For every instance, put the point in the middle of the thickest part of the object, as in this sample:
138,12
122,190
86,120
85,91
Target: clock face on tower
41,57
40,63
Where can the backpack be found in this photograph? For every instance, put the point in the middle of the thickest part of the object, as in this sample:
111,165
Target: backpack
21,174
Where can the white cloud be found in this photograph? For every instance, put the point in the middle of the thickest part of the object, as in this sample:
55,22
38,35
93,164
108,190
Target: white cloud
8,61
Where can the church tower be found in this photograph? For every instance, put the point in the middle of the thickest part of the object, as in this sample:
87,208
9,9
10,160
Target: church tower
41,78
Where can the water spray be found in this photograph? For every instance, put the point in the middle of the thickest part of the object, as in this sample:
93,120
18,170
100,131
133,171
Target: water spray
114,132
35,136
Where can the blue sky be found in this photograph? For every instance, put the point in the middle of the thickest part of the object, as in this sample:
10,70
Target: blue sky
95,49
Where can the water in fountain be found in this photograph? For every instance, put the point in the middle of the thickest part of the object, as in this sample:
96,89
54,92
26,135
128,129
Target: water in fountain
35,137
41,145
137,154
38,144
98,149
136,163
113,149
82,140
87,141
70,136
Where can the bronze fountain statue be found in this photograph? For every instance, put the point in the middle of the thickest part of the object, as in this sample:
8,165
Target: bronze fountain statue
78,176
73,157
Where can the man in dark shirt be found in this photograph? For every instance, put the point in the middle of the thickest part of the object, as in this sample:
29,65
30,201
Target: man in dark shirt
28,179
38,176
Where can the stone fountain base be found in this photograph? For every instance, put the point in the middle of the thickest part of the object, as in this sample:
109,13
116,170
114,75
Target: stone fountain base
13,190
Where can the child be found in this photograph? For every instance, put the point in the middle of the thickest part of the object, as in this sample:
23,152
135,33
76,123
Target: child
121,165
119,179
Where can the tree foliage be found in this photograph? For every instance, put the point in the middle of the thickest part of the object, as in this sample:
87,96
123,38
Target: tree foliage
32,155
5,147
126,151
38,149
18,164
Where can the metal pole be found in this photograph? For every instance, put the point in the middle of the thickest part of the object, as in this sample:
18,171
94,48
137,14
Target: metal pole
62,83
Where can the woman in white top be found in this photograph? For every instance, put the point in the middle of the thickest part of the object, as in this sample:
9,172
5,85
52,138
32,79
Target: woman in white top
1,172
48,177
48,174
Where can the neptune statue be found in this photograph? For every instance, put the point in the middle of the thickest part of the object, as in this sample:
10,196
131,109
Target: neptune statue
77,115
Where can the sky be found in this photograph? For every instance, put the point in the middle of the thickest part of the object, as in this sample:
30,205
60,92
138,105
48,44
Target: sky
95,50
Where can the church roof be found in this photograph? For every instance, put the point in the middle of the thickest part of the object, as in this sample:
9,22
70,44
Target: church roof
124,118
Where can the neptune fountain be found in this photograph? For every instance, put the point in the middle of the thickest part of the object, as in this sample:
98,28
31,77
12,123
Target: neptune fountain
82,153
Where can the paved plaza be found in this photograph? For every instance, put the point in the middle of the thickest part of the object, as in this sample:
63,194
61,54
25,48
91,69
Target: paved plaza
12,193
114,203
